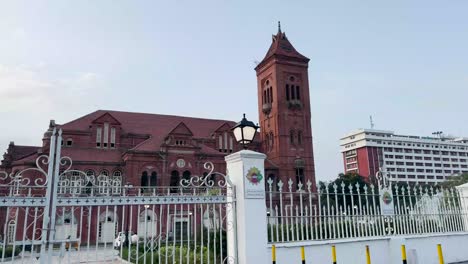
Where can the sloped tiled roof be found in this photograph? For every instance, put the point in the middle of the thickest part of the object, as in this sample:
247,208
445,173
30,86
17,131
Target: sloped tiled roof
281,46
23,151
155,125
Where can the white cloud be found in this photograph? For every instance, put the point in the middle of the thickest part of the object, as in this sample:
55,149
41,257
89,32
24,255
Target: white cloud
22,87
32,95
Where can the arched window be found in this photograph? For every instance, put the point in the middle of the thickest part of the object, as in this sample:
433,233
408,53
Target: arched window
90,173
89,181
293,92
11,232
298,94
287,92
292,135
144,179
271,94
116,182
299,137
154,179
174,181
186,175
104,172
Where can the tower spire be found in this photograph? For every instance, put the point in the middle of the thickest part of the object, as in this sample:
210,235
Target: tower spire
279,26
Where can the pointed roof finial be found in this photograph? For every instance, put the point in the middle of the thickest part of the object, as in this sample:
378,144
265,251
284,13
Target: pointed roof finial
279,26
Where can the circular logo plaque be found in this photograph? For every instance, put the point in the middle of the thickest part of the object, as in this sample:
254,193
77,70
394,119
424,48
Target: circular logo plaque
180,163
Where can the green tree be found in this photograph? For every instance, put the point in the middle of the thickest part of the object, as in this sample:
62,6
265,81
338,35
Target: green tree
454,181
345,180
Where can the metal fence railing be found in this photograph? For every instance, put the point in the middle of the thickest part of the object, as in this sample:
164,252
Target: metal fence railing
297,213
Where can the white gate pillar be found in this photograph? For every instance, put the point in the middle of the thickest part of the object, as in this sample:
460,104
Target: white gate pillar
248,240
463,194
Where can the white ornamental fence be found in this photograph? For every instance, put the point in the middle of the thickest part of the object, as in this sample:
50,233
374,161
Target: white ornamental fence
297,213
52,213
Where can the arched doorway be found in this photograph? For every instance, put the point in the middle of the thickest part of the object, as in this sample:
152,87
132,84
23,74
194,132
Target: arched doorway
174,181
66,226
107,227
147,223
211,219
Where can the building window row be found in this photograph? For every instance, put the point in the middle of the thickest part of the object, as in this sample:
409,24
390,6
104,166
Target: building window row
103,134
268,95
225,142
295,137
75,183
436,146
293,92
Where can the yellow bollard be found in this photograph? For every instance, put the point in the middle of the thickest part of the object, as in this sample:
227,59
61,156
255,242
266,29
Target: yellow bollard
441,256
334,254
403,254
368,259
273,254
303,255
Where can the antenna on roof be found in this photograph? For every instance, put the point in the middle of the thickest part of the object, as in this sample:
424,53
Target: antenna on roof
279,26
371,122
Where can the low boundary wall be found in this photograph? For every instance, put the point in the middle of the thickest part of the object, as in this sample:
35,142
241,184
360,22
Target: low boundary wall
421,249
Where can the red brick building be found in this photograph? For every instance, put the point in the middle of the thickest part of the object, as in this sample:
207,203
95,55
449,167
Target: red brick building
151,149
159,150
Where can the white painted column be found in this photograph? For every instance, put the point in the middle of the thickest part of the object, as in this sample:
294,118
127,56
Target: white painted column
463,192
248,240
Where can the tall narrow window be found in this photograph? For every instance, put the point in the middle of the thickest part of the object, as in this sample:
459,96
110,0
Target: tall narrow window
271,94
264,96
112,144
293,95
299,137
225,141
298,94
144,181
299,175
186,175
98,136
154,179
116,182
291,137
287,92
231,144
174,181
106,135
220,143
11,232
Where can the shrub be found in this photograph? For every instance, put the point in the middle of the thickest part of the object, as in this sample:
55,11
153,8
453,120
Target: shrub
9,251
173,254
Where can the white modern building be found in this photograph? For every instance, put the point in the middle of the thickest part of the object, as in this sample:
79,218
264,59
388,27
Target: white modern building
405,158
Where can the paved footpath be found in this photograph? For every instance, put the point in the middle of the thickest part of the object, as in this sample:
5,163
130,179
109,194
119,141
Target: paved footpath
94,255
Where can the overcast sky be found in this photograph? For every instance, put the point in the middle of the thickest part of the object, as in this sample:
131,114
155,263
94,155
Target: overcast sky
403,62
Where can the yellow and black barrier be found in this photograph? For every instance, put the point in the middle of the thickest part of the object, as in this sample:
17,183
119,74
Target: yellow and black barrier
334,254
303,255
273,254
441,255
403,254
368,258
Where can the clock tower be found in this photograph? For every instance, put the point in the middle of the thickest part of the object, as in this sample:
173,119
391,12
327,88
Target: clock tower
284,114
